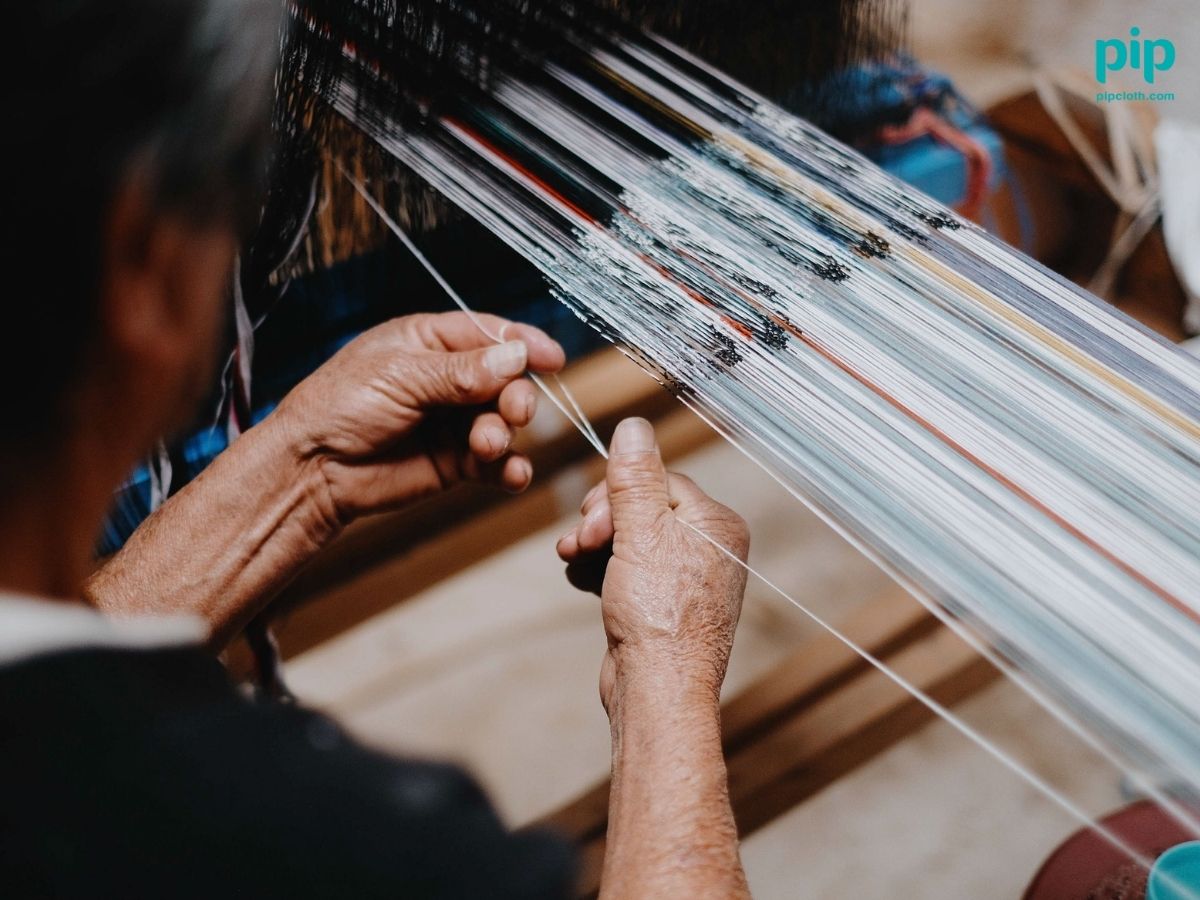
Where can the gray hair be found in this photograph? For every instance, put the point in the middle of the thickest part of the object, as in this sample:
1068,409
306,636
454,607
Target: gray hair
210,145
176,92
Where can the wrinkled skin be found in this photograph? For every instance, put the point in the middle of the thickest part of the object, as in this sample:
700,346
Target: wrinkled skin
416,405
668,596
406,409
670,601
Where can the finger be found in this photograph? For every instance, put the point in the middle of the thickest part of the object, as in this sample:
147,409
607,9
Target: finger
568,545
596,529
518,402
452,332
516,473
456,331
490,437
513,472
545,354
589,499
462,378
593,533
637,481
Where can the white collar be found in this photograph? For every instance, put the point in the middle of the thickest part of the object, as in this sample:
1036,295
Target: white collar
33,627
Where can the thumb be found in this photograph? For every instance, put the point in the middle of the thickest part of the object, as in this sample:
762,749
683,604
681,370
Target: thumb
637,481
467,377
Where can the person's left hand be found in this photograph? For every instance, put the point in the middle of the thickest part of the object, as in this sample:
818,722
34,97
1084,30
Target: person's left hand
416,405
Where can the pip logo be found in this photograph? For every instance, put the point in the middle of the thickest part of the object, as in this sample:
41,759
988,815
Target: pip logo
1150,56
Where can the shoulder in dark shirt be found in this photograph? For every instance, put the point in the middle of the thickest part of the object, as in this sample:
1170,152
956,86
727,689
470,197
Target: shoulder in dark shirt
142,773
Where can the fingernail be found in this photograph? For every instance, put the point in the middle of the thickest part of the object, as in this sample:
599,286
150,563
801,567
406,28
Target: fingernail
564,537
633,436
497,439
506,360
526,469
530,407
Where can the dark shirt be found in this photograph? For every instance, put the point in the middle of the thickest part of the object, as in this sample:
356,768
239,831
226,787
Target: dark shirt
143,773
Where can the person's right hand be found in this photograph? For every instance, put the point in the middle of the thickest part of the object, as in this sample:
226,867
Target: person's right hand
413,406
670,599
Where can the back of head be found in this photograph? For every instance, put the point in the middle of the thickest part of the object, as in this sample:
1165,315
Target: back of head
174,93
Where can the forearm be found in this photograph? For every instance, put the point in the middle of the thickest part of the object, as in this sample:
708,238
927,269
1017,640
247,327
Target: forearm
225,544
671,831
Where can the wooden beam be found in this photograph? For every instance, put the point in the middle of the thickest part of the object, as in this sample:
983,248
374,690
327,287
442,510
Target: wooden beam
850,727
813,718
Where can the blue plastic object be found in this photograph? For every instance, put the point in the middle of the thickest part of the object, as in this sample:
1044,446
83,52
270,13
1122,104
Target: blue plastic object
938,170
1176,874
889,92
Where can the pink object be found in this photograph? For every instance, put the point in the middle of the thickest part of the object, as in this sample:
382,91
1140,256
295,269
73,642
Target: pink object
1087,867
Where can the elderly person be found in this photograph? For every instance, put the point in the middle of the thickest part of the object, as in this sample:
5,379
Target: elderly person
130,766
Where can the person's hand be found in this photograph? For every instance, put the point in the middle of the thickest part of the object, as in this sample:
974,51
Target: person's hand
670,599
415,405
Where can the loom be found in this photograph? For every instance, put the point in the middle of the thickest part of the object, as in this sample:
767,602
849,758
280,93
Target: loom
1016,453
